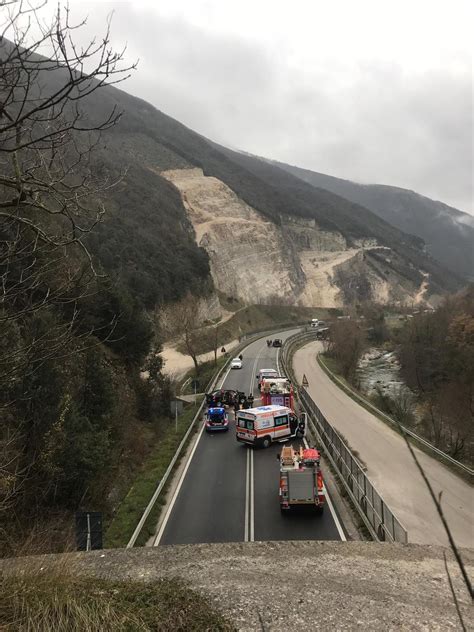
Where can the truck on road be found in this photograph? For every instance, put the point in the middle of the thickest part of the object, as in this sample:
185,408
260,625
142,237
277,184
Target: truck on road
263,374
301,480
277,391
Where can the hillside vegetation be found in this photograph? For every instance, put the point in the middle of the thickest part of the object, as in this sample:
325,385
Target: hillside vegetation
63,602
150,233
76,419
436,354
447,232
93,241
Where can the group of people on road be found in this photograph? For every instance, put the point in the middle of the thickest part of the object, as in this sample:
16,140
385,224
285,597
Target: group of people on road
243,402
235,399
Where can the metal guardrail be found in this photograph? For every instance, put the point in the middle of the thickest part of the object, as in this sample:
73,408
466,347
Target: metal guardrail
374,511
244,343
406,430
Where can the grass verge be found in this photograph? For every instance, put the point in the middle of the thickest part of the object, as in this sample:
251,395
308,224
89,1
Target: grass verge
207,371
259,318
62,602
135,502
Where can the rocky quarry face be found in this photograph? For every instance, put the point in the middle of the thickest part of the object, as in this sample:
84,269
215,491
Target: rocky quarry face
257,261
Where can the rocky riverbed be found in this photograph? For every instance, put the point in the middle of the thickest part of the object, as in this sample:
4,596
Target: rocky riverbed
380,369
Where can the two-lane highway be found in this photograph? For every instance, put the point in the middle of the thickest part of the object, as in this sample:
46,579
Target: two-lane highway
228,492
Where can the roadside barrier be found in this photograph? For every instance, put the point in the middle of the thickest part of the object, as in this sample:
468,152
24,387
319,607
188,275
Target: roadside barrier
244,343
436,451
373,510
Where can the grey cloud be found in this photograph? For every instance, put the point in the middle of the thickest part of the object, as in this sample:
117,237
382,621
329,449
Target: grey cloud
379,125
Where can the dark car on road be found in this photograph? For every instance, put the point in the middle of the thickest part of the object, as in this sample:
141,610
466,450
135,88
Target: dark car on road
223,397
277,342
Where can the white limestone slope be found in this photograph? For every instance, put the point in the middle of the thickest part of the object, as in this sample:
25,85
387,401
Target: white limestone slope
257,261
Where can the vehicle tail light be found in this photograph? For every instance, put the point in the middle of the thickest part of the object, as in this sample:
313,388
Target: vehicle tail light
320,482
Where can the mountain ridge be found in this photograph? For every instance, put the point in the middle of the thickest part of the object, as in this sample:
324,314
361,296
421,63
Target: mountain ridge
447,232
149,229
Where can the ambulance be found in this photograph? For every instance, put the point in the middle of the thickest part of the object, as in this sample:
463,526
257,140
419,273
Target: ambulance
264,425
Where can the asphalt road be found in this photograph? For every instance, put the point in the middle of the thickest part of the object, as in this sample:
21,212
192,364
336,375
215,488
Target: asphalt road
229,492
389,463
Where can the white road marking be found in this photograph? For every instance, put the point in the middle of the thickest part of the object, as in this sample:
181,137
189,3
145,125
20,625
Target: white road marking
247,496
252,377
249,529
176,492
339,528
159,535
224,378
251,502
278,361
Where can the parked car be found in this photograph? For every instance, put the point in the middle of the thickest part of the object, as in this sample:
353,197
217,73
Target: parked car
236,363
216,419
221,397
277,342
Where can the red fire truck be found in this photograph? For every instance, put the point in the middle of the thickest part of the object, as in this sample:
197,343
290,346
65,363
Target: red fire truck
301,481
277,391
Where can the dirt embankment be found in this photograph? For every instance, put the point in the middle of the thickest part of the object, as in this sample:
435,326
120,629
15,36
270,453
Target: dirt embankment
177,364
298,585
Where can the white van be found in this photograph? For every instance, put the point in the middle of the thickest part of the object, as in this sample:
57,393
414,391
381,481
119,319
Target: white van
265,374
262,425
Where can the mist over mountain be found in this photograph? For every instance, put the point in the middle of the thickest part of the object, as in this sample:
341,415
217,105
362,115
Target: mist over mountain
188,213
447,232
154,144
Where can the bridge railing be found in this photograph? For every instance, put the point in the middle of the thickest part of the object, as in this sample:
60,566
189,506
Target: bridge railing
377,516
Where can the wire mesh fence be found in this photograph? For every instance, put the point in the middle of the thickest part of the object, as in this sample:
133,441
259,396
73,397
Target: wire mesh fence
384,526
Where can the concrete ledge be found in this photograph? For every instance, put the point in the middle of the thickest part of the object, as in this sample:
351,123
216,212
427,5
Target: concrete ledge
300,585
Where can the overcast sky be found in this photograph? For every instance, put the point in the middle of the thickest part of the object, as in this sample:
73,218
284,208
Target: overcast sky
369,90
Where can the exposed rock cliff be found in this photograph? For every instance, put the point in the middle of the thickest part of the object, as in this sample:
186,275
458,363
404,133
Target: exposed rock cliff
258,261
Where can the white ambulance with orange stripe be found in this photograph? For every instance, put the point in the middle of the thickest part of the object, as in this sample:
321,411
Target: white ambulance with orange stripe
263,425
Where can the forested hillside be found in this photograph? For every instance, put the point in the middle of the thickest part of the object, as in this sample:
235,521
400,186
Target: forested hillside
266,188
447,232
82,257
147,142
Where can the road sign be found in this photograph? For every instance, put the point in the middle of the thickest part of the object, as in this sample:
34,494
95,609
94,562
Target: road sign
305,382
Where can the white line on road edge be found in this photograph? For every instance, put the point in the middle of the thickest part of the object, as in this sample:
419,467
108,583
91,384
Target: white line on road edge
251,501
335,517
176,491
181,480
247,495
278,361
